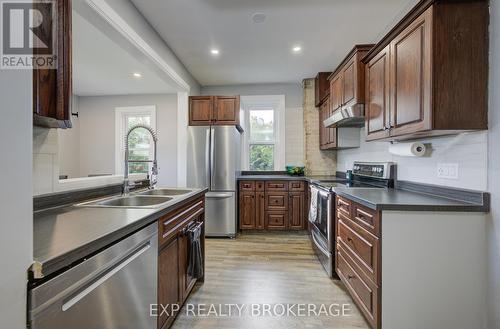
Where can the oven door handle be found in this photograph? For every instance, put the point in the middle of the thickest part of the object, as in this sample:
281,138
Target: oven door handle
323,250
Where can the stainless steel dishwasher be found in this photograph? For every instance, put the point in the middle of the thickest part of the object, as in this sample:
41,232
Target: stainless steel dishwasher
111,290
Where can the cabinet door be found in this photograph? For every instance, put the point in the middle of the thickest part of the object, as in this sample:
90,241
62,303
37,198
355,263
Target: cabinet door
260,206
168,279
336,92
411,77
321,128
349,81
200,110
227,110
52,88
296,213
332,132
247,210
377,96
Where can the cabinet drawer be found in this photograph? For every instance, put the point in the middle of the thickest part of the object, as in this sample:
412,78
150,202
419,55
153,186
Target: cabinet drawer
276,220
296,186
361,246
364,292
247,185
344,206
172,224
276,185
277,201
367,218
259,186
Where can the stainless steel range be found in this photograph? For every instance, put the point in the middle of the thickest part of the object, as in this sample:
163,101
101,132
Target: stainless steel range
322,207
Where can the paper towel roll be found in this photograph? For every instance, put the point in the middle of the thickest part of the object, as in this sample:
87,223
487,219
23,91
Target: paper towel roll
407,149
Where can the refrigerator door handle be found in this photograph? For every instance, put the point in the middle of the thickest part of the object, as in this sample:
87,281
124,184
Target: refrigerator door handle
218,195
207,156
212,155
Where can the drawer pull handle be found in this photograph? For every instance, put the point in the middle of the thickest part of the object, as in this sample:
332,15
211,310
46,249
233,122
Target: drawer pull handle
350,277
349,240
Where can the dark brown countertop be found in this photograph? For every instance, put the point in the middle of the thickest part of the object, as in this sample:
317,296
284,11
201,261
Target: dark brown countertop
62,236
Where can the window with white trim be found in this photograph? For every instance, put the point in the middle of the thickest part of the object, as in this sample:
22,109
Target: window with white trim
264,133
140,140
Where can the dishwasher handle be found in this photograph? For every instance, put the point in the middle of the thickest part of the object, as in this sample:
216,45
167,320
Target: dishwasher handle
105,276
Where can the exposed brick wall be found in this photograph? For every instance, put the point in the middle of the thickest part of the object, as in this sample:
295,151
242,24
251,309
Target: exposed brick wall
317,162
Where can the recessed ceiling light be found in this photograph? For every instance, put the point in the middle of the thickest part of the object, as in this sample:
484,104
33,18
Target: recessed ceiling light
259,18
215,51
137,75
296,49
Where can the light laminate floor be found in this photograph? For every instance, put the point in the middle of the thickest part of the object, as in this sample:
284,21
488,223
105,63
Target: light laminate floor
278,269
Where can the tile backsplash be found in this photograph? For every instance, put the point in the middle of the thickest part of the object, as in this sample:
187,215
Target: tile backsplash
468,150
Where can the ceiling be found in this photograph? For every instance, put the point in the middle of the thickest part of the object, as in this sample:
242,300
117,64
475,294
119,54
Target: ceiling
262,53
109,71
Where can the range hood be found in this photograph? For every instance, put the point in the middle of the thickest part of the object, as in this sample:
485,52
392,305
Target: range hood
352,116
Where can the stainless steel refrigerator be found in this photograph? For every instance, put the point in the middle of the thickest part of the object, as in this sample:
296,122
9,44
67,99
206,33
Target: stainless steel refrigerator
212,161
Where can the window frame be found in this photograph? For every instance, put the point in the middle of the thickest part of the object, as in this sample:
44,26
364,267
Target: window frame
264,102
121,114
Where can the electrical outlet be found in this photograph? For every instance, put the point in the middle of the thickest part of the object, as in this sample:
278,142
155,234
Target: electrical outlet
447,170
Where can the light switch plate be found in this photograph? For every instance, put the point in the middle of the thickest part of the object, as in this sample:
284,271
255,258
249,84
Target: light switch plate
447,170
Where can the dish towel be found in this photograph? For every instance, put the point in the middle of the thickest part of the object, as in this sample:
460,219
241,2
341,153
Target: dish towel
195,259
313,209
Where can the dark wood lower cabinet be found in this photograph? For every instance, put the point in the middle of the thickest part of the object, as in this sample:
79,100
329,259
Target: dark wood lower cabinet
247,210
358,258
296,210
168,280
174,281
276,220
281,205
260,210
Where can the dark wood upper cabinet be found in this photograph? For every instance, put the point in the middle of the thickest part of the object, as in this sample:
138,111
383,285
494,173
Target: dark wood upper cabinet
321,88
411,77
377,96
327,136
227,110
201,110
52,88
214,110
436,58
335,92
347,81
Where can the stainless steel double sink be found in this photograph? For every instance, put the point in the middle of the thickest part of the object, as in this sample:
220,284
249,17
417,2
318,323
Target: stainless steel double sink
144,199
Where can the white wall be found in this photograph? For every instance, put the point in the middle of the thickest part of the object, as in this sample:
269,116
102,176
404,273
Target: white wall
69,146
16,216
469,150
493,229
294,121
95,127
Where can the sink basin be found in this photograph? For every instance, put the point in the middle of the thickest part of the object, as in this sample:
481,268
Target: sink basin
136,201
166,191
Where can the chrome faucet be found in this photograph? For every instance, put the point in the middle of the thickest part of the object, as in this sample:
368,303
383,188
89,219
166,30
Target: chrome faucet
153,179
